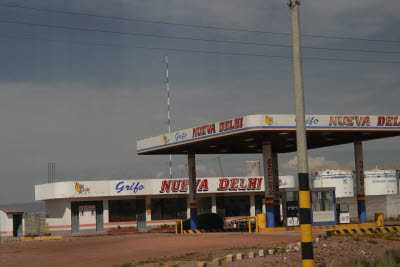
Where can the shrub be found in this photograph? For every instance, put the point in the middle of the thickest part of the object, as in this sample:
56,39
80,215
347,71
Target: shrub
209,221
164,226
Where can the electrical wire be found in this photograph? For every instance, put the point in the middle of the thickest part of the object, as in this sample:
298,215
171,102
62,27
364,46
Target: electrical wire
188,38
192,25
162,49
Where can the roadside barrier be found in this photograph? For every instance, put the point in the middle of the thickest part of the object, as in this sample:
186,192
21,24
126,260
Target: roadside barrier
382,230
256,219
176,226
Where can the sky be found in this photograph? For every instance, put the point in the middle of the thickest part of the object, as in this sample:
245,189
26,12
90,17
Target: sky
82,98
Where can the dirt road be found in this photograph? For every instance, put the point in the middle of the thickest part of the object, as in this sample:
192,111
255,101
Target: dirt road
116,250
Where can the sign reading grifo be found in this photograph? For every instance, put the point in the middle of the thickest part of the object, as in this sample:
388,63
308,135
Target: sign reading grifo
272,121
144,187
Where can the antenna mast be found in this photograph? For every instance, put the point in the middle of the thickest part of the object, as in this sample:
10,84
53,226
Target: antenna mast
169,119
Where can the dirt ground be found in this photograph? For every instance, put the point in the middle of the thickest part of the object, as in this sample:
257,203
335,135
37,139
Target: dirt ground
157,249
123,249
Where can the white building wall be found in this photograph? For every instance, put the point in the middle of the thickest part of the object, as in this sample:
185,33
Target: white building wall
214,204
106,216
393,205
6,227
252,205
58,213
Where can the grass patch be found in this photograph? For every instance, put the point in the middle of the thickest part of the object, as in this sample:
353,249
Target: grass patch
391,258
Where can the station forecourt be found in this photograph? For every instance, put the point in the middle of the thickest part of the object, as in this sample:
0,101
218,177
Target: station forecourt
271,134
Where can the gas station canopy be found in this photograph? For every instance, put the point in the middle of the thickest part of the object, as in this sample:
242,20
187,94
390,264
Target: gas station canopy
245,134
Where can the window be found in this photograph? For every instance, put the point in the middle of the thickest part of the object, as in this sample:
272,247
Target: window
234,205
125,210
168,208
322,201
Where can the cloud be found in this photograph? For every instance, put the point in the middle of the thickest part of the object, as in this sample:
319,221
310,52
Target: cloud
202,170
313,163
160,175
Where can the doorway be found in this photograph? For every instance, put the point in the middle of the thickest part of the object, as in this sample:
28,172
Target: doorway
87,212
17,224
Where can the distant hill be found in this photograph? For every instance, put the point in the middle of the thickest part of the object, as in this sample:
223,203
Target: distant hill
36,206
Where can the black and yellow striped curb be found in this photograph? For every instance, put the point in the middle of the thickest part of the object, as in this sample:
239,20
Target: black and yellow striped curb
214,230
383,230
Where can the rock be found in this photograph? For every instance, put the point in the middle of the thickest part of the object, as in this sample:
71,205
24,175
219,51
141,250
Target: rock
251,255
290,247
240,256
316,240
296,248
288,250
201,264
270,251
216,262
229,258
261,253
284,258
299,244
324,245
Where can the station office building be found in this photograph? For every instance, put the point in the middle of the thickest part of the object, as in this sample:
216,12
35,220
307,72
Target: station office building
90,206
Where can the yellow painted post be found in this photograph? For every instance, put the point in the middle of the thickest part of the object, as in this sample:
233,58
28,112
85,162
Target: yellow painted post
253,217
379,219
47,228
262,221
176,226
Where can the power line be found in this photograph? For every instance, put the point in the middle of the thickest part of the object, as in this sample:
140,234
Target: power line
191,50
192,25
187,38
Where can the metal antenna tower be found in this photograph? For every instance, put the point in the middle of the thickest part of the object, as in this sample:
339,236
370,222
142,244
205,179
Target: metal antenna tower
169,118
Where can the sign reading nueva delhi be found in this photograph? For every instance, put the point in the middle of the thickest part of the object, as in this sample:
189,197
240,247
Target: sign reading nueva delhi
265,122
145,187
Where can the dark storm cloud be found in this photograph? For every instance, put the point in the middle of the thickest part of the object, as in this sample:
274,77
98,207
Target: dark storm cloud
84,106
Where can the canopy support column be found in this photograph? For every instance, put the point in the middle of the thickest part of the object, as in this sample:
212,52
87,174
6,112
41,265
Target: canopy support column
268,182
277,202
192,191
358,155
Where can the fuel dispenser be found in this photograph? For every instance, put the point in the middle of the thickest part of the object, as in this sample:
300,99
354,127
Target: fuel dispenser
323,206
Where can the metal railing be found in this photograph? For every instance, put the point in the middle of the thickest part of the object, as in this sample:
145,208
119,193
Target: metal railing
176,226
256,219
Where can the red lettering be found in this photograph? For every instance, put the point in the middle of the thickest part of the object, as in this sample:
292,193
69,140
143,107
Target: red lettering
381,120
223,184
366,121
165,186
175,185
389,121
259,183
359,120
252,183
350,121
221,126
396,123
333,121
341,120
243,185
269,163
185,185
234,184
203,185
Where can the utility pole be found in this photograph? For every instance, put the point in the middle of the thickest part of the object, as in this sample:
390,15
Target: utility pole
307,253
